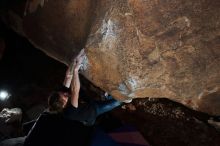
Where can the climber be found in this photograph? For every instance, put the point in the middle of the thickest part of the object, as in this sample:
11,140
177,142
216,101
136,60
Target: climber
67,121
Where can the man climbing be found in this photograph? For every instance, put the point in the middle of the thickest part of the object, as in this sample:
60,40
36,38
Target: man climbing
67,122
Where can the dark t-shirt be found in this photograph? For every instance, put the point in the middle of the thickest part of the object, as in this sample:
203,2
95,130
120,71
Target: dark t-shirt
85,113
69,128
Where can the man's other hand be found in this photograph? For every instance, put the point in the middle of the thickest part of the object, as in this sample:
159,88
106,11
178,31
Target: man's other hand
78,61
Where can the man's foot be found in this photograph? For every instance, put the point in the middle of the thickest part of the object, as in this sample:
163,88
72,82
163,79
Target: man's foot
106,96
129,100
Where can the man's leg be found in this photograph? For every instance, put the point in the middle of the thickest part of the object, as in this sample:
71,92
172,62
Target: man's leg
105,106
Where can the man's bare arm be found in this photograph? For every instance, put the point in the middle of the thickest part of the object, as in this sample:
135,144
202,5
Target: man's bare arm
69,75
75,85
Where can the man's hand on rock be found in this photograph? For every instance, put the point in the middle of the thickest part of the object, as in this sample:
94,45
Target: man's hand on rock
79,60
73,68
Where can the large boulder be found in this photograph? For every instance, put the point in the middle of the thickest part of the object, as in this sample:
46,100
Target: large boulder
135,48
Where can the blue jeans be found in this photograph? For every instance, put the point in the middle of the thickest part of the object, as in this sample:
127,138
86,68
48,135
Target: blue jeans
107,105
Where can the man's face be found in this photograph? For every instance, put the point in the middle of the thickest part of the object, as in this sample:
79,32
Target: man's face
64,98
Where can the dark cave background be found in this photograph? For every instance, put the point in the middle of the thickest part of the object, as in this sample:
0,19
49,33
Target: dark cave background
26,72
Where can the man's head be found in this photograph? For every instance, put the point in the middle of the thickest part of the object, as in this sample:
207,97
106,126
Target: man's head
58,99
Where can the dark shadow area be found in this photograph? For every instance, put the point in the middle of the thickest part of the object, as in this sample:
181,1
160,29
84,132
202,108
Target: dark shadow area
26,72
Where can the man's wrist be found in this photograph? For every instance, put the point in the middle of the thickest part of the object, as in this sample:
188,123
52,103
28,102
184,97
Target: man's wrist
76,70
69,75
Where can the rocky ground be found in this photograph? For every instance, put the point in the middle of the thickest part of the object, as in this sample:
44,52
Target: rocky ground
31,75
166,123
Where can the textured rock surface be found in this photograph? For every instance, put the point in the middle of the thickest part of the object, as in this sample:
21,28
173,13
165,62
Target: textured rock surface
60,27
158,49
10,122
11,115
136,48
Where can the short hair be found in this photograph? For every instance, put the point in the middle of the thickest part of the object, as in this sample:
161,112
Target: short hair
54,103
